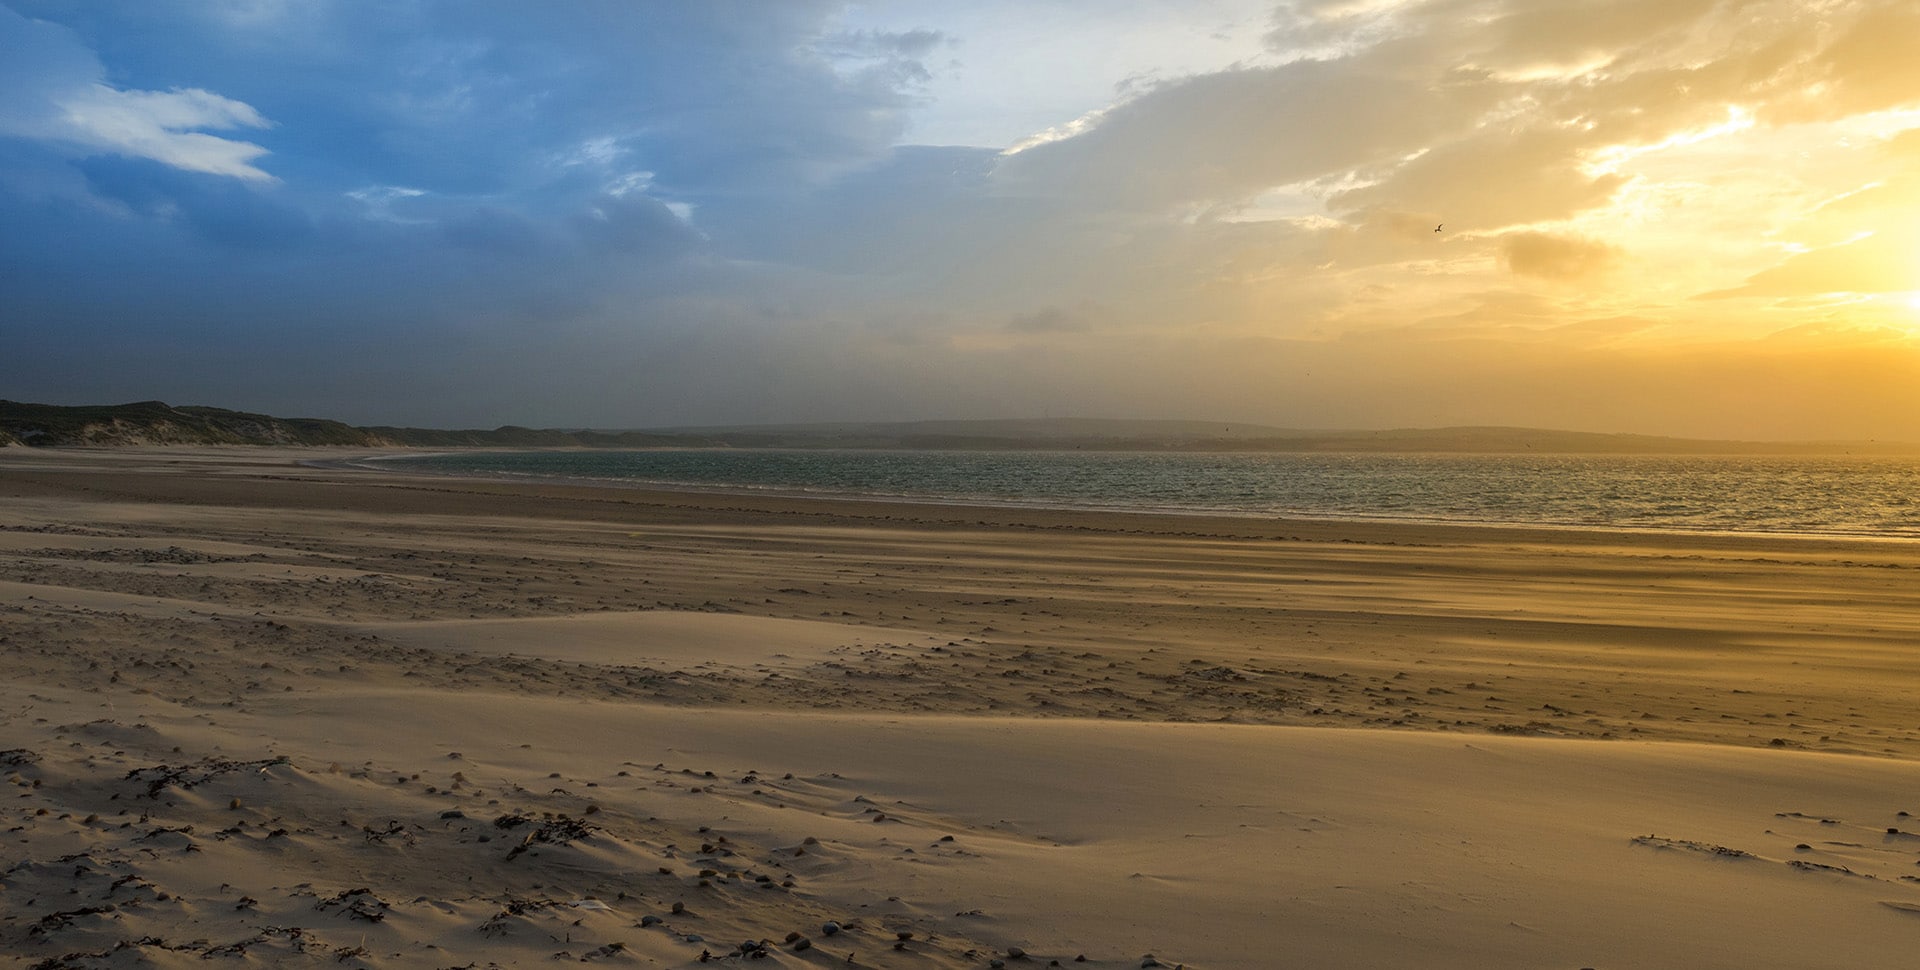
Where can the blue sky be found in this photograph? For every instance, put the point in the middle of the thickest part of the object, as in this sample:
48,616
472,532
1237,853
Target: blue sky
623,214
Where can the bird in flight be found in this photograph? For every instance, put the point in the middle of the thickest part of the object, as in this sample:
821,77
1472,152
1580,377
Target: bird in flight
1437,228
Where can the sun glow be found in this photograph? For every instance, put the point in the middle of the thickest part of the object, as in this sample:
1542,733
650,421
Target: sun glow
1612,159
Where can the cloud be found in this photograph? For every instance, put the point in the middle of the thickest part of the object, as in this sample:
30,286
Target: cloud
898,50
1048,320
918,211
1490,180
1230,135
1876,228
1556,257
56,93
642,212
431,141
632,223
1870,67
1886,262
160,126
1505,110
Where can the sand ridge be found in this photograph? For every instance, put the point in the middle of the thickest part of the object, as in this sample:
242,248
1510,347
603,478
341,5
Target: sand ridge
618,639
292,715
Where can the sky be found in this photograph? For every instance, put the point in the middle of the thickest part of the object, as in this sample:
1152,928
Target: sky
1679,217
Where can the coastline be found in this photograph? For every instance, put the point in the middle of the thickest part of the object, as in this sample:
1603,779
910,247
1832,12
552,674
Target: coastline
981,501
1224,741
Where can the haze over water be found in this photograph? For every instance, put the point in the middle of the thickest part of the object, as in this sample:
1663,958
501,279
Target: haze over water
1828,495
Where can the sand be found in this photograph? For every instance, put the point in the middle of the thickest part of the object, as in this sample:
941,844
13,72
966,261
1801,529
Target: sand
262,712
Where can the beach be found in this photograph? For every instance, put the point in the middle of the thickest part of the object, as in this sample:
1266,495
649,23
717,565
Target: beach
263,707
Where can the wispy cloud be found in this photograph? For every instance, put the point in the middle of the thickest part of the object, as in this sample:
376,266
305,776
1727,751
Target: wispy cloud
57,93
164,126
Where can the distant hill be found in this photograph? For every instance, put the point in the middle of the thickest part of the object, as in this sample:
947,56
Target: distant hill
155,423
158,423
1203,436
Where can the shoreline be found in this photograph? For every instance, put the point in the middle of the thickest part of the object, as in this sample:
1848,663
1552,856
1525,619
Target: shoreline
637,500
1043,506
777,501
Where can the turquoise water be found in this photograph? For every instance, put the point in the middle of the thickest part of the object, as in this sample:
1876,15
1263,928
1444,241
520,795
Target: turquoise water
1829,496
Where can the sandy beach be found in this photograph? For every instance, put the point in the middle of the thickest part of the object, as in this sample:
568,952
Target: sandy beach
263,710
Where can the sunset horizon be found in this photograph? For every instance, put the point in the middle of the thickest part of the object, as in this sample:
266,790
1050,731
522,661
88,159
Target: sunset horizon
1692,219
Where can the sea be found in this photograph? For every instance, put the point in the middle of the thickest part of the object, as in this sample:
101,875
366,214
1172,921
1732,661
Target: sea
1822,496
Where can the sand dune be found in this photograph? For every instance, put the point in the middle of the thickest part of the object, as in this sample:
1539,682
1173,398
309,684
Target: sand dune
293,716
